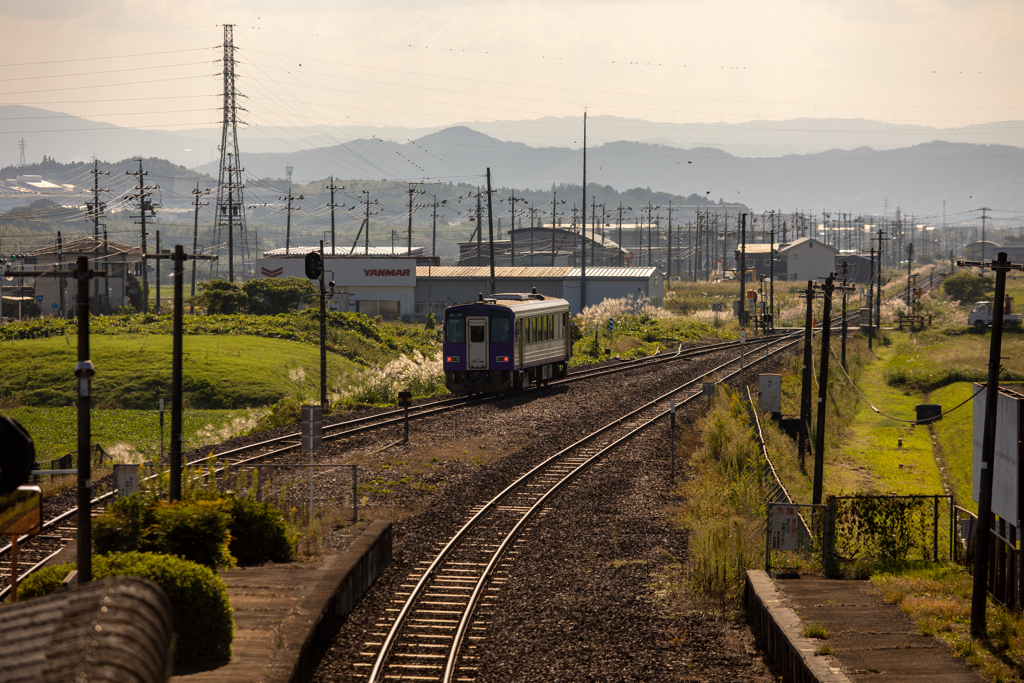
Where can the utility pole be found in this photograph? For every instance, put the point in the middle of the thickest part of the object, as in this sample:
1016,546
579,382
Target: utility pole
512,232
846,289
479,229
910,267
366,201
96,210
197,202
871,301
144,205
583,224
771,280
878,295
323,332
412,192
554,202
333,188
60,262
490,225
157,307
84,370
593,228
805,382
743,268
288,220
979,594
620,235
669,266
819,435
984,217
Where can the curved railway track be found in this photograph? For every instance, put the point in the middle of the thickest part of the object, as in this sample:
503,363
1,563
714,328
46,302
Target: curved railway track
432,635
61,529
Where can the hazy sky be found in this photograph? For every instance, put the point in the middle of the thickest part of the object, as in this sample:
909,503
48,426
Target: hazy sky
387,63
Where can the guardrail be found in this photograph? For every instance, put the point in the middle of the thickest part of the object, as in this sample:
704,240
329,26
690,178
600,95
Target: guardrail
1004,558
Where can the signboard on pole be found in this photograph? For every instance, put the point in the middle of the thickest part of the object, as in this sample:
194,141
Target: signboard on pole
126,479
1007,456
785,523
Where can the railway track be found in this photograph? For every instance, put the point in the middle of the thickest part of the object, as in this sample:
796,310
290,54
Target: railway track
61,529
432,632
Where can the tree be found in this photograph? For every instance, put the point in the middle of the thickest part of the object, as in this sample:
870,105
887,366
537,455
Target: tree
965,287
221,296
270,296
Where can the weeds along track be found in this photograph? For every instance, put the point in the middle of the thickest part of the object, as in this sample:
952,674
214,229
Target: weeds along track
60,528
436,625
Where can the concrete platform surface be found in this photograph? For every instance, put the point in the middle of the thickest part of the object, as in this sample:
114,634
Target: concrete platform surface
277,608
872,640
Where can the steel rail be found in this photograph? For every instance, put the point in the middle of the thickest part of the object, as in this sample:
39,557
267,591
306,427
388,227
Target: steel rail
510,538
400,619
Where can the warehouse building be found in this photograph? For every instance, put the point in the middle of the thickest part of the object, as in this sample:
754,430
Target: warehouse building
405,287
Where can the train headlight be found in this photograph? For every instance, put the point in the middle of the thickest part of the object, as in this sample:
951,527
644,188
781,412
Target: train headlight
501,359
452,359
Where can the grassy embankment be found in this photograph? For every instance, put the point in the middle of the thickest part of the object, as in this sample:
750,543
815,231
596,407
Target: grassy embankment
236,368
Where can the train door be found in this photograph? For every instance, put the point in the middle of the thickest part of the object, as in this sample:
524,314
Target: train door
476,351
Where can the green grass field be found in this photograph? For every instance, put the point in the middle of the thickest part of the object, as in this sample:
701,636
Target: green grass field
128,435
134,371
874,439
953,437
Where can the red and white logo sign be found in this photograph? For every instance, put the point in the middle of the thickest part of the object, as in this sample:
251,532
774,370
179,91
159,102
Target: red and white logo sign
272,272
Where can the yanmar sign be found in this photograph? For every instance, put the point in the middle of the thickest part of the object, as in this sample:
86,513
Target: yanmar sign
346,272
386,272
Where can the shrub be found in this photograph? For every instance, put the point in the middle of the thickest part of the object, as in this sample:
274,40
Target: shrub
203,627
270,296
193,530
258,532
966,286
215,532
221,296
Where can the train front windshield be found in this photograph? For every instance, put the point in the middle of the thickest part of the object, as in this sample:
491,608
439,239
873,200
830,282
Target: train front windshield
499,329
455,328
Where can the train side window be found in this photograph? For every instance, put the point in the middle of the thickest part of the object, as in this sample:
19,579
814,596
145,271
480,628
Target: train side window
455,328
549,327
533,329
529,330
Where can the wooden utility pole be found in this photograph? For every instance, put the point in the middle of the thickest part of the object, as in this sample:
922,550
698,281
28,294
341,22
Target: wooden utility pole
979,595
819,435
805,381
668,267
197,202
142,196
743,268
490,226
583,224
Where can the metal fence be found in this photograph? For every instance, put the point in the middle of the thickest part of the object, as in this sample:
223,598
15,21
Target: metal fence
890,528
1004,578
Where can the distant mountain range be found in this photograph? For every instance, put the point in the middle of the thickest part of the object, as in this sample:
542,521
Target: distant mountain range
806,164
917,178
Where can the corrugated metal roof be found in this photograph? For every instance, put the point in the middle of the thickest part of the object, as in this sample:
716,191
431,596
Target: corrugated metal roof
346,251
758,248
616,272
485,272
88,245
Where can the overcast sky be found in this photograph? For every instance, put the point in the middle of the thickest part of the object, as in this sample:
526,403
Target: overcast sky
943,63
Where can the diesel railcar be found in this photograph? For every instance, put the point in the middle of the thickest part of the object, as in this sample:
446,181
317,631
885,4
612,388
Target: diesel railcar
504,342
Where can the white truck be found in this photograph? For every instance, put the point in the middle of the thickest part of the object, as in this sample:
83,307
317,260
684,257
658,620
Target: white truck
981,314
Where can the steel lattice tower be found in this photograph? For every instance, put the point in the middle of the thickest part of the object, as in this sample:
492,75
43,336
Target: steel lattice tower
229,216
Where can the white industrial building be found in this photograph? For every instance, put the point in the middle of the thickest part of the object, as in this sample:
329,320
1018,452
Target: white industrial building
408,287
